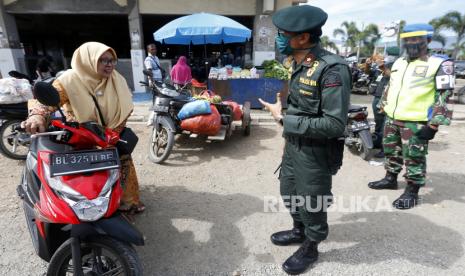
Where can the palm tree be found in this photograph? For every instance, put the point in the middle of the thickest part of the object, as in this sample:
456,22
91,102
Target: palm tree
461,50
350,34
328,44
454,21
369,37
439,38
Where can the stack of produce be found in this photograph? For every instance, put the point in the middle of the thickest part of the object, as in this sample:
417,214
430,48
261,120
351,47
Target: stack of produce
276,70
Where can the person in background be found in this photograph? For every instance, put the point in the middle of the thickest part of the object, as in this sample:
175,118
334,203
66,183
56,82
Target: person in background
227,58
93,75
380,85
181,74
43,69
153,63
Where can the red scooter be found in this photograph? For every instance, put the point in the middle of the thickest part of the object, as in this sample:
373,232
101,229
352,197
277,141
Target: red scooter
71,192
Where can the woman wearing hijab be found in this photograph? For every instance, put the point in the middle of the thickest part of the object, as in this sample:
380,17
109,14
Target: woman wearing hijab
181,73
93,74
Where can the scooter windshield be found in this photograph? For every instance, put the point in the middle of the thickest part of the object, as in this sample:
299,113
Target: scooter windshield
95,128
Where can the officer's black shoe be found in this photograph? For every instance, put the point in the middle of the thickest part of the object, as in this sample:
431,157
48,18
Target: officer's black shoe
388,182
306,255
408,199
293,236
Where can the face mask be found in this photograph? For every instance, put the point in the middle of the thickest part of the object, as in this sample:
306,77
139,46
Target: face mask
282,43
415,50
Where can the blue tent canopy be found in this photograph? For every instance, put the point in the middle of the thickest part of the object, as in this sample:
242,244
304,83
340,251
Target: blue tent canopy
202,28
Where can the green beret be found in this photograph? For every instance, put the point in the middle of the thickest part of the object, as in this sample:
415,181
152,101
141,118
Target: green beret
393,51
299,18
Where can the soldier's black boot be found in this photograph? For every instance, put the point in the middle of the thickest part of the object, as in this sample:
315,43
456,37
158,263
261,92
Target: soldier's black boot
306,255
293,236
408,199
388,182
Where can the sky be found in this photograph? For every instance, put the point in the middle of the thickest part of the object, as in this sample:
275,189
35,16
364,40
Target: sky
384,11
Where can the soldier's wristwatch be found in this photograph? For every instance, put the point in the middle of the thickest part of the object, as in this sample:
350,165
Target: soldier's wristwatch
279,120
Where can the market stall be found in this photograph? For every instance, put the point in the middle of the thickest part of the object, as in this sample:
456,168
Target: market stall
248,85
241,90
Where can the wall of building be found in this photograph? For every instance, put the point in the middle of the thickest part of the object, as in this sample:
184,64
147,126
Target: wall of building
225,7
69,6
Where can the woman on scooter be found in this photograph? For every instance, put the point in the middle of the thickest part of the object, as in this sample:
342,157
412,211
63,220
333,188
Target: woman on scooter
93,74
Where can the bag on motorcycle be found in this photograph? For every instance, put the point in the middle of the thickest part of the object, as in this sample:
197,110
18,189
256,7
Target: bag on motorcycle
335,150
14,90
128,138
204,124
194,108
237,112
130,141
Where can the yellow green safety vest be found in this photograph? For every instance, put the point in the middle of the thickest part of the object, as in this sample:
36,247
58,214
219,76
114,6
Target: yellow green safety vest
411,89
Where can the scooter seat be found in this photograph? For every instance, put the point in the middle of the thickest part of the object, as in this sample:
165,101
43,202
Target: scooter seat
356,108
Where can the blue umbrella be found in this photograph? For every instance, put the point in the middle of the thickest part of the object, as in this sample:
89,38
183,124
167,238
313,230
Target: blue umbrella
202,28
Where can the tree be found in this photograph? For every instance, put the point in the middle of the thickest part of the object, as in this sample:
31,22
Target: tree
328,44
439,38
369,37
461,50
350,34
454,21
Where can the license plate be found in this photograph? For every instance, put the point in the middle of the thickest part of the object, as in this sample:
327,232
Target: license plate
360,125
83,161
160,108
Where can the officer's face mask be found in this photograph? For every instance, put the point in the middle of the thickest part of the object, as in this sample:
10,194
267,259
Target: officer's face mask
282,41
415,47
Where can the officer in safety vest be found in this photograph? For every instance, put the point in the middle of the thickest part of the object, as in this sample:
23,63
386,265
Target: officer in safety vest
415,105
318,101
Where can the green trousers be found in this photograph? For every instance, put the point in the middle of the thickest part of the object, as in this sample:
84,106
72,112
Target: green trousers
401,145
305,183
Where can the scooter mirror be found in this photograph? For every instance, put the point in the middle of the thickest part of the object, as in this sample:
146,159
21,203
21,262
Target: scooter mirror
46,94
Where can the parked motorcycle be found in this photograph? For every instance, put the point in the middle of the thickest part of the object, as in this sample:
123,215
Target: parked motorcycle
358,137
70,189
166,104
362,83
14,143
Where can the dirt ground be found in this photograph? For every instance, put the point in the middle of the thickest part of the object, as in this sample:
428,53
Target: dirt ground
205,213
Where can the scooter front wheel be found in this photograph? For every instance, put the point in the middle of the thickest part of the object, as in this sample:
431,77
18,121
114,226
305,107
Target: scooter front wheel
100,255
161,143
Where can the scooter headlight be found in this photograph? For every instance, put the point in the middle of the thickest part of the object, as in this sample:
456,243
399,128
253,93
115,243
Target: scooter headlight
91,210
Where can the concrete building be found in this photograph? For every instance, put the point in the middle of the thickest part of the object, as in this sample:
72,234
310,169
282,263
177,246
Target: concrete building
30,29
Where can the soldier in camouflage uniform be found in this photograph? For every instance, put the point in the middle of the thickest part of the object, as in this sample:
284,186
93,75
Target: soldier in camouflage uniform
415,104
318,101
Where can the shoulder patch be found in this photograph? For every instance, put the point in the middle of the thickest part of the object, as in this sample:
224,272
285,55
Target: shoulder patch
448,67
333,79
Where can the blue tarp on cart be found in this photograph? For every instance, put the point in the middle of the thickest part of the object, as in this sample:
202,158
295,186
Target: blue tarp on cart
242,90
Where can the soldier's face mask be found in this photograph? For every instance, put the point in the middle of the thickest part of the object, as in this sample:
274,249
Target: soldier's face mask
415,47
282,41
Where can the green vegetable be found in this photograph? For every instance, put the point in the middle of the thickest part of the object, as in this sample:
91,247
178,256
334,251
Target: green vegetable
274,69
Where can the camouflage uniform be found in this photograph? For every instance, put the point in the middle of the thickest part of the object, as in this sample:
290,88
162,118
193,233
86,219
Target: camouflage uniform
401,144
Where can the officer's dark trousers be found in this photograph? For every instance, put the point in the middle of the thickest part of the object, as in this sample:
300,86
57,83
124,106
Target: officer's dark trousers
305,182
379,123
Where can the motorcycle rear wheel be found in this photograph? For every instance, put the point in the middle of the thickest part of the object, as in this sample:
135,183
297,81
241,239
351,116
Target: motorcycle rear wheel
9,145
359,149
161,143
100,255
